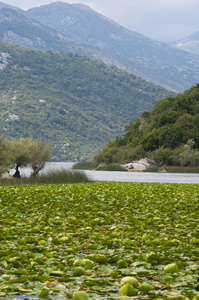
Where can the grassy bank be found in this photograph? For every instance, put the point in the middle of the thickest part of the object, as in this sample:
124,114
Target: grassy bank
57,239
95,166
52,177
118,167
112,167
85,166
173,169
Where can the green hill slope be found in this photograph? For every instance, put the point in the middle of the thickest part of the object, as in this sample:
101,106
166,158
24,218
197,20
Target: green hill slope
71,102
169,133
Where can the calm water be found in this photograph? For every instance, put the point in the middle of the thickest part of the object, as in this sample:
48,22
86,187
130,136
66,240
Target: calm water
122,176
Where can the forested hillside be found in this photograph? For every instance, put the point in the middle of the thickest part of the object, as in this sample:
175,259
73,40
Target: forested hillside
71,102
168,134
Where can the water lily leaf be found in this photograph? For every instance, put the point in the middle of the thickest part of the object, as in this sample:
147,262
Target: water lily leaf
105,269
80,295
146,287
123,298
129,279
3,263
44,292
171,268
122,263
18,280
78,271
57,273
127,289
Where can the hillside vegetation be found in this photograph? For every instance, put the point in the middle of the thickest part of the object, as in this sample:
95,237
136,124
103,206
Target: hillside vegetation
72,103
168,134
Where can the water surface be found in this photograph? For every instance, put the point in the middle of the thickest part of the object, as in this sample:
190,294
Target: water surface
122,176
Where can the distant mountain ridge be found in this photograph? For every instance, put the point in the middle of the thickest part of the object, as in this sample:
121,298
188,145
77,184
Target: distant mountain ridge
79,29
16,28
141,56
189,43
5,5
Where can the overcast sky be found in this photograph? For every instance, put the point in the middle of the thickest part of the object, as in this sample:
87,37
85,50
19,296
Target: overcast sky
163,20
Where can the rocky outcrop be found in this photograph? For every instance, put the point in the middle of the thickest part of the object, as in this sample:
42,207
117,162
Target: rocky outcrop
139,165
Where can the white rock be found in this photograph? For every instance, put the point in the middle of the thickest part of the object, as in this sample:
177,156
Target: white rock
139,165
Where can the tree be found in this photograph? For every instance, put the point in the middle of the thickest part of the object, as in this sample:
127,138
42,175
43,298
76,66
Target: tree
151,141
5,156
189,156
19,152
39,154
26,152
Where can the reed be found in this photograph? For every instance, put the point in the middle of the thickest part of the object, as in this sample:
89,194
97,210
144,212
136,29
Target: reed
52,177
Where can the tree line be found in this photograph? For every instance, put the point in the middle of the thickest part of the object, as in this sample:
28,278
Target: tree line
22,153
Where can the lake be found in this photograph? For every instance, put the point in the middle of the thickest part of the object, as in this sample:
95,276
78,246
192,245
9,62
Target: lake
122,176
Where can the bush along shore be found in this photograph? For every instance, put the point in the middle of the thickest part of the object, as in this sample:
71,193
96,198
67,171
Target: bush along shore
142,165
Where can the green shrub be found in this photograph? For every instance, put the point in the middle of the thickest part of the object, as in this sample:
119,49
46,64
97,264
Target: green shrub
189,156
161,156
181,169
112,167
152,169
85,166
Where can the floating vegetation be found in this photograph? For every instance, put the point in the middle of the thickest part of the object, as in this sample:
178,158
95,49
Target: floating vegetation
100,241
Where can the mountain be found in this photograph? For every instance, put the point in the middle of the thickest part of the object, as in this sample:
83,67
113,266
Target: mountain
168,134
4,5
16,28
189,43
71,102
78,29
171,68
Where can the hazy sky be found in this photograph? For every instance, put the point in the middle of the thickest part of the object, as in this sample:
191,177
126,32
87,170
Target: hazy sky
163,20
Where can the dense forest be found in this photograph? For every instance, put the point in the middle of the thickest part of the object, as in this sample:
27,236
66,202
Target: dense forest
70,102
168,134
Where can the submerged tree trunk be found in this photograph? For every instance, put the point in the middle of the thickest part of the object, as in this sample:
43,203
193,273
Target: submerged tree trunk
17,173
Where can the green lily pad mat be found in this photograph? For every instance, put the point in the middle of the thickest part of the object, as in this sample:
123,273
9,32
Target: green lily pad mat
58,239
